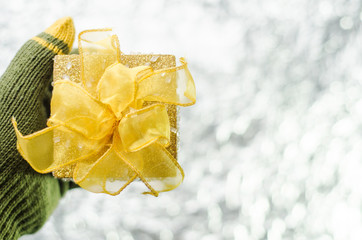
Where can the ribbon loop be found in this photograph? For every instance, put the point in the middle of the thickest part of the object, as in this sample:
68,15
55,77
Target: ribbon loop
92,45
173,86
74,108
141,128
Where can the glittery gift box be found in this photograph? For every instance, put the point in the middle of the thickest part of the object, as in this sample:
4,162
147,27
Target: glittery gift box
68,67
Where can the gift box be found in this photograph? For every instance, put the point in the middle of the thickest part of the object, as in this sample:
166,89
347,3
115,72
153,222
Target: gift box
68,67
113,118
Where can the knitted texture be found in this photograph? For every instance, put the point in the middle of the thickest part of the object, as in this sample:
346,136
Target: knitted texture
28,198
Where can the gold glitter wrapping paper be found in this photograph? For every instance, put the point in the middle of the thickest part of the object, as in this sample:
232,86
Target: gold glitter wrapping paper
68,67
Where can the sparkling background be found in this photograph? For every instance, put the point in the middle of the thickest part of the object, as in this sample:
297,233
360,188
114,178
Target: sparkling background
272,150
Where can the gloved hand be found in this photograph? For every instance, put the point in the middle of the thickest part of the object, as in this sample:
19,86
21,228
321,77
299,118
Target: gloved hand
28,198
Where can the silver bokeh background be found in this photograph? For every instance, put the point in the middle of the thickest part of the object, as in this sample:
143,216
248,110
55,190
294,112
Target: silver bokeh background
272,149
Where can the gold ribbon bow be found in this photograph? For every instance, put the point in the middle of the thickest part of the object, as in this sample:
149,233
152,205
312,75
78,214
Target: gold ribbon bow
103,126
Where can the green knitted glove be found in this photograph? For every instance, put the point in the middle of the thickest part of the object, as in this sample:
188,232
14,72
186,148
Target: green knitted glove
28,198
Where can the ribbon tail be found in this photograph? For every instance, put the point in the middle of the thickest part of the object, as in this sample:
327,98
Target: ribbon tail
106,172
156,167
171,85
37,148
55,147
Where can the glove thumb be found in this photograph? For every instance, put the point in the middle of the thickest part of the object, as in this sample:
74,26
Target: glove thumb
25,82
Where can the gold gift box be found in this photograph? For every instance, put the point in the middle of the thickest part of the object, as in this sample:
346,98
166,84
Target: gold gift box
68,67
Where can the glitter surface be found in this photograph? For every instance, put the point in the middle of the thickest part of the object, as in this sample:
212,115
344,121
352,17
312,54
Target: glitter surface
272,148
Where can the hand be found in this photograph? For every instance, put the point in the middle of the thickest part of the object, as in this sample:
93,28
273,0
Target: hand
28,198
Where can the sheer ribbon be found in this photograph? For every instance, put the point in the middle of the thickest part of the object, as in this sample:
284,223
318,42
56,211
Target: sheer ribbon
103,126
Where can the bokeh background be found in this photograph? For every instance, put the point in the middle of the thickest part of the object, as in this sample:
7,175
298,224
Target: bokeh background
272,149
